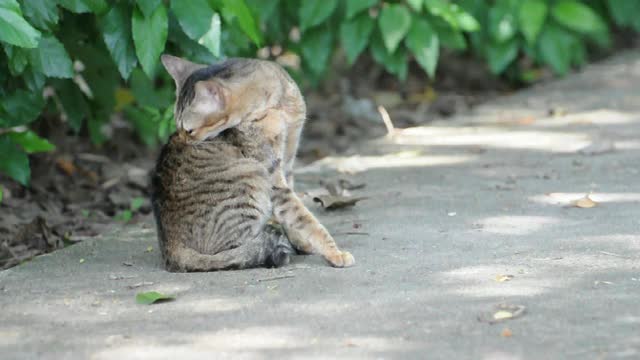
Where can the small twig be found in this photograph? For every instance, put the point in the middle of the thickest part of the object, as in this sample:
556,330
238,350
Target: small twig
387,120
613,254
276,278
140,284
353,233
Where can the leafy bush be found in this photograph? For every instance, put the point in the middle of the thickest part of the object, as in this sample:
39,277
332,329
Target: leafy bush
86,59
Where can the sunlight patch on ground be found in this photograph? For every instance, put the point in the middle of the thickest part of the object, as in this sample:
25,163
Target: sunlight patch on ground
356,164
497,138
480,281
617,243
516,225
249,343
566,199
207,306
9,336
597,117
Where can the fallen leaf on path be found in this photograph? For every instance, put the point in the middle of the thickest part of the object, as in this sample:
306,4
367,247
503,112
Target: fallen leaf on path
502,315
66,166
332,202
598,282
149,249
150,297
503,312
81,261
506,332
585,203
503,278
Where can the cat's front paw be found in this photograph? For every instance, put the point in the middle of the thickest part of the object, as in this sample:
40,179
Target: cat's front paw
341,259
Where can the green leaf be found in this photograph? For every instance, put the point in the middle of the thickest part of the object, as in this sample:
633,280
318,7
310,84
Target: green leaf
145,121
314,12
355,7
13,161
354,35
194,16
84,6
116,32
394,22
14,29
149,37
450,37
444,10
18,59
73,103
415,4
34,80
532,16
31,142
124,216
211,39
145,93
41,13
578,17
200,23
555,46
21,108
136,203
624,12
395,63
149,6
501,55
245,19
1,193
11,5
51,58
465,21
316,49
502,23
147,298
423,41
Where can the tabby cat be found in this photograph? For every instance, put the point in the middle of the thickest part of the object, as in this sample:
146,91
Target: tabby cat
228,170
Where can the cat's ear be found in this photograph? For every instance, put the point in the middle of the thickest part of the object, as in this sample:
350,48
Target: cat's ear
210,96
179,68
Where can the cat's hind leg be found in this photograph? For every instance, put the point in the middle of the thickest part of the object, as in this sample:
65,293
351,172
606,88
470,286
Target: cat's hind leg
305,231
270,248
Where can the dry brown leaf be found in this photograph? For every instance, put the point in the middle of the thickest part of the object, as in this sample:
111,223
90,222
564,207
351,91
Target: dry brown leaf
332,202
66,166
506,332
585,203
504,277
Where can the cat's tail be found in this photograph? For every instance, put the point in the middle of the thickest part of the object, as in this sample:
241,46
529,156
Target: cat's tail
278,246
271,248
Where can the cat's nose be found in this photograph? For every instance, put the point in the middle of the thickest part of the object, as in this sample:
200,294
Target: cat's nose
189,131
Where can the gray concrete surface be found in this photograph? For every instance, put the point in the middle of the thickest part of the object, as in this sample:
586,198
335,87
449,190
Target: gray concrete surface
452,206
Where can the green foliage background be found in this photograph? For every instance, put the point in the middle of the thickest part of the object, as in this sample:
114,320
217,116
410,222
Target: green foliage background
86,59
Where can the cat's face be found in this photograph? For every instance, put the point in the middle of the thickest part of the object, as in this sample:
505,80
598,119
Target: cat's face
201,104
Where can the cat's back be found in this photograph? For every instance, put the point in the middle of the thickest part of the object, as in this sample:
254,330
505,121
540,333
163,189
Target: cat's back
200,187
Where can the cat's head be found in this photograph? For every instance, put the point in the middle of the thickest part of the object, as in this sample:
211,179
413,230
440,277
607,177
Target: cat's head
201,109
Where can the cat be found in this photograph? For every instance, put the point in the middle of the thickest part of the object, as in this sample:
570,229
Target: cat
228,169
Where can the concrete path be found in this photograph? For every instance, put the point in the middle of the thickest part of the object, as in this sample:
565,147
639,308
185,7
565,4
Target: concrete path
462,216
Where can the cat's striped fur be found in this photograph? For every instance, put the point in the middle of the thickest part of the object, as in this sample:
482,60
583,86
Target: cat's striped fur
226,171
